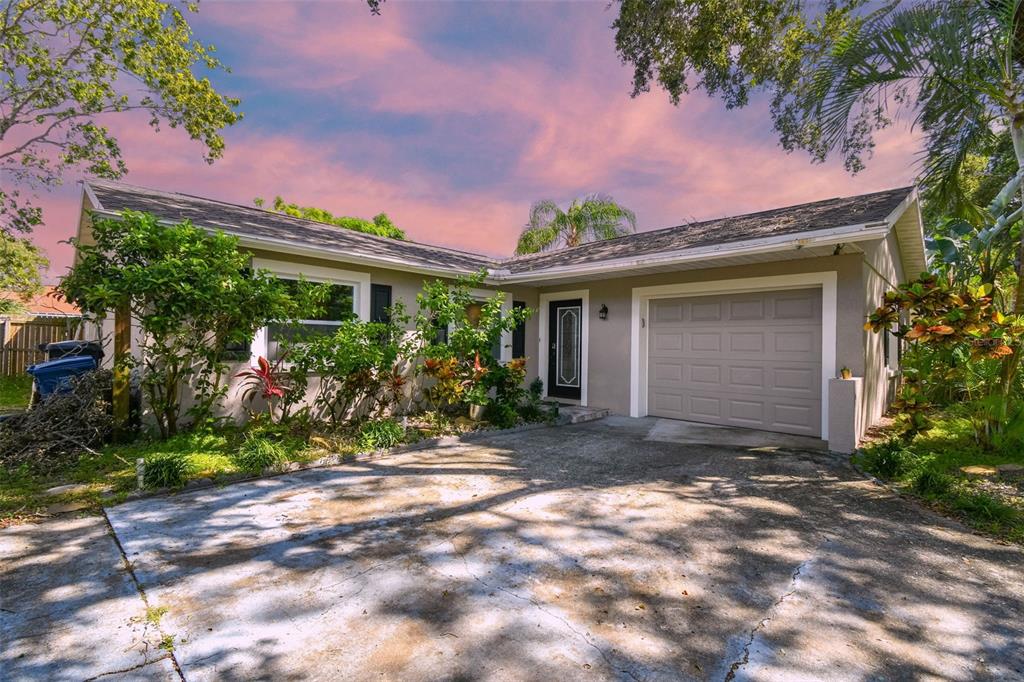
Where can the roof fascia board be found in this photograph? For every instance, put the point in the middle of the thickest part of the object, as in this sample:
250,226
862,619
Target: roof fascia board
849,233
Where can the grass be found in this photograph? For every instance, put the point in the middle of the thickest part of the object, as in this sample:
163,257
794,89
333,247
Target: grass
929,469
15,393
107,477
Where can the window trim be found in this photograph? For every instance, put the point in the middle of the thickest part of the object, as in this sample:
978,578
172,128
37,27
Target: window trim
359,281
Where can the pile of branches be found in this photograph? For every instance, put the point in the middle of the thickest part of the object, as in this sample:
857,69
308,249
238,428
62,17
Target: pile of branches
58,430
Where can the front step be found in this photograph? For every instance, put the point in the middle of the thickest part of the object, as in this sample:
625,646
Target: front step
574,414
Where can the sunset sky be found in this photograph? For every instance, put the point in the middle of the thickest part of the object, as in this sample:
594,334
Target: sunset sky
454,117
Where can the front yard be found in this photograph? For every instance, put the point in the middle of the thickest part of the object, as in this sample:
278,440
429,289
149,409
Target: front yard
947,469
107,476
618,549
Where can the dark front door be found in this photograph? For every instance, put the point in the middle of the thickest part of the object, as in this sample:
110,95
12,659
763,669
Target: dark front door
565,330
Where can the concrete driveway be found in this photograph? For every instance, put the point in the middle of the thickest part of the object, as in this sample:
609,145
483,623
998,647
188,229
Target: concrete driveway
620,549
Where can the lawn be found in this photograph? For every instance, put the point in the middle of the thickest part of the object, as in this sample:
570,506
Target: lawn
107,476
929,468
15,393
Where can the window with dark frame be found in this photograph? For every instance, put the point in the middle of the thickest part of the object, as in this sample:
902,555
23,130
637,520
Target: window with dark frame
380,302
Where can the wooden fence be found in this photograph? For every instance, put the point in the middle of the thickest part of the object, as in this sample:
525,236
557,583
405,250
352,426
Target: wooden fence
21,340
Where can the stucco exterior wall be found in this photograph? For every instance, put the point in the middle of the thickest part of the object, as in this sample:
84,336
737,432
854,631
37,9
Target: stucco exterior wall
608,373
882,270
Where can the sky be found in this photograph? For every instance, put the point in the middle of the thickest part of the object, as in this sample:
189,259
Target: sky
453,117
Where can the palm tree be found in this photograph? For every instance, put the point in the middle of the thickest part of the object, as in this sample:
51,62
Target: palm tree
593,218
957,67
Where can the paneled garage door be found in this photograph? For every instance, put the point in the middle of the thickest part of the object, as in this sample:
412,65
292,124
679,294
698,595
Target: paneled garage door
750,360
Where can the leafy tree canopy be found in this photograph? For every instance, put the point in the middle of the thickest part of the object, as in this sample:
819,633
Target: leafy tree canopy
192,294
593,218
381,224
67,64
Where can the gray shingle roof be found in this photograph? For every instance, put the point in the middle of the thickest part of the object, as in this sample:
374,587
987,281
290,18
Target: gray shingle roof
259,223
818,215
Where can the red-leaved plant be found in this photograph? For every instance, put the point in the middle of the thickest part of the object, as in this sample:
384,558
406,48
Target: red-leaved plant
267,381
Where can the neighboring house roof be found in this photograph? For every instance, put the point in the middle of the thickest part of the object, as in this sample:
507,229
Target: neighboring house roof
269,226
45,303
838,220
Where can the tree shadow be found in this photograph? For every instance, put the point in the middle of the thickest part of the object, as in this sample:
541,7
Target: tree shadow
581,551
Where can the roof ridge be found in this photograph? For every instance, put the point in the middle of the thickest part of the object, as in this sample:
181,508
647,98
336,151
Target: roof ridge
647,233
300,221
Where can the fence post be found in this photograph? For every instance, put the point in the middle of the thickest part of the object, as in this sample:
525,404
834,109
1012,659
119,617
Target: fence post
122,370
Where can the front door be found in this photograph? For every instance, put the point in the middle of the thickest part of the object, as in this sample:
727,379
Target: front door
565,326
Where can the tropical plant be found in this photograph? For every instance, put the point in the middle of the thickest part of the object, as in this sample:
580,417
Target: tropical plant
840,74
381,224
461,357
269,382
192,293
593,218
361,367
956,319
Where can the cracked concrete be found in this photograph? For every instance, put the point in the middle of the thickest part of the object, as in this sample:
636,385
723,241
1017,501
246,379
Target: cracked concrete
69,609
620,549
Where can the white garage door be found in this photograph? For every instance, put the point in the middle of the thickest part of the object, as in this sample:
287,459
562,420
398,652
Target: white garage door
750,360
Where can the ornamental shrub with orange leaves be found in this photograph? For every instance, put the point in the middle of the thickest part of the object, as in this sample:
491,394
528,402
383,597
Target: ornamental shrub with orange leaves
980,347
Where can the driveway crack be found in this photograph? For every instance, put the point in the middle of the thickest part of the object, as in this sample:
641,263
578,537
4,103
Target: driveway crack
129,669
744,657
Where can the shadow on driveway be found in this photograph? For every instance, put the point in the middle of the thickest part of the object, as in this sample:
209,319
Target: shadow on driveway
581,552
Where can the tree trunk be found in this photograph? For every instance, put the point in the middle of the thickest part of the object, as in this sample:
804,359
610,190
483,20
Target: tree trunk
122,372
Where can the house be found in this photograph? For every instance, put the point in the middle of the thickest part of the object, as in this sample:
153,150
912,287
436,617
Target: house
742,321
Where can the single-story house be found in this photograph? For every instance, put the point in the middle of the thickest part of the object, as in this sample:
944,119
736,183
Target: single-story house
743,321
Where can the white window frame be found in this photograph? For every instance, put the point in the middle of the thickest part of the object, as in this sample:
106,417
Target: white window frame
359,281
642,296
542,346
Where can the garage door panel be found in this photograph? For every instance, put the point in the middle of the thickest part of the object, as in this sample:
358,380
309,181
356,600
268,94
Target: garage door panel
748,360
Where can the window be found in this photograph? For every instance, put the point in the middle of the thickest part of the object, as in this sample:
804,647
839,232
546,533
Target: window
519,335
339,307
380,303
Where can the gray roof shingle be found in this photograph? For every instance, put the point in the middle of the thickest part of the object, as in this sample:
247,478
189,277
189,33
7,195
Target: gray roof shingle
817,215
259,223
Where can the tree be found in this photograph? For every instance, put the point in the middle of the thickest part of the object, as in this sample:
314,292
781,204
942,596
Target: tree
20,264
192,294
66,66
593,218
381,224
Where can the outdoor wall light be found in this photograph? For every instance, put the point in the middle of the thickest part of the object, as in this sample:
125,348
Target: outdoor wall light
602,312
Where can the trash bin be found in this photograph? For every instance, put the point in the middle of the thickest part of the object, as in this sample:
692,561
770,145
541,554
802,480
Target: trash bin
54,376
67,349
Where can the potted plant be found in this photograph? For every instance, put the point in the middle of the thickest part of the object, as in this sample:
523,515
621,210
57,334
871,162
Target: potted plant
476,396
845,373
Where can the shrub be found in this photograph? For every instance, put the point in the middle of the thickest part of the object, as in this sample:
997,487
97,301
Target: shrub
54,433
502,415
933,483
888,460
257,453
378,434
167,470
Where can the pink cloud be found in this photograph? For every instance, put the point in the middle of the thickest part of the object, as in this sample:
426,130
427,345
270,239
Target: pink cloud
575,129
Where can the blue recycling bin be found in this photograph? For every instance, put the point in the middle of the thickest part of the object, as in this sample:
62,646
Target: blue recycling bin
55,375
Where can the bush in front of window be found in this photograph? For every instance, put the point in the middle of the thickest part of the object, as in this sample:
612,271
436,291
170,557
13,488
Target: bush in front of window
192,294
